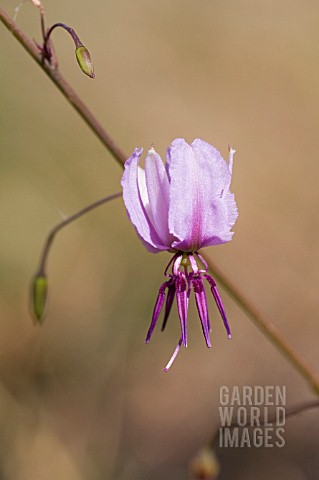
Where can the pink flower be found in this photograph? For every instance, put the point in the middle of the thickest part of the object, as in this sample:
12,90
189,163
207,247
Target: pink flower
181,207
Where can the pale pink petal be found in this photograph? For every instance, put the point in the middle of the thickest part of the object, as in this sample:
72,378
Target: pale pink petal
232,209
158,193
132,183
198,214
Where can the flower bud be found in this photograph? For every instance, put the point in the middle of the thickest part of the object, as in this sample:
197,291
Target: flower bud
39,293
84,61
205,466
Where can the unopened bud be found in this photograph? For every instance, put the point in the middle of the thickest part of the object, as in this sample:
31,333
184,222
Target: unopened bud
84,61
40,290
205,466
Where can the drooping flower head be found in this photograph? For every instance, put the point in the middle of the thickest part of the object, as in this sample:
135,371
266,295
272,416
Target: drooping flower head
181,207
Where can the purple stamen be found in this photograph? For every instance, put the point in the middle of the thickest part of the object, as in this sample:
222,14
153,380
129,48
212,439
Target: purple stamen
169,301
170,263
174,355
219,302
193,263
201,303
180,283
182,304
177,264
157,309
202,259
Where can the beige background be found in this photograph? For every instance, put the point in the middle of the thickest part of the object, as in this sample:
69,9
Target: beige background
82,397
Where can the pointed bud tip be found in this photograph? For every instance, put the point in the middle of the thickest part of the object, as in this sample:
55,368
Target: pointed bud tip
39,291
229,336
84,60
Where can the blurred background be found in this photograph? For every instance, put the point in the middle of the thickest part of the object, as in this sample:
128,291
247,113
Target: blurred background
82,397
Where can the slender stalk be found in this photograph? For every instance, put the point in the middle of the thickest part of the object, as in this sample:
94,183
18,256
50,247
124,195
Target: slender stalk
65,88
81,52
70,30
51,236
302,407
267,327
40,279
259,319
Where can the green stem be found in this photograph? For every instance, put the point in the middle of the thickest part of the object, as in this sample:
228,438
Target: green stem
263,323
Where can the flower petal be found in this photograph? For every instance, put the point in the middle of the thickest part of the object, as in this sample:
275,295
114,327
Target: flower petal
232,209
220,223
136,202
198,212
158,194
229,197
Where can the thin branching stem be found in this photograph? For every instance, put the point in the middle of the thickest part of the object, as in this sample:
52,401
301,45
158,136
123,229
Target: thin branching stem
51,236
